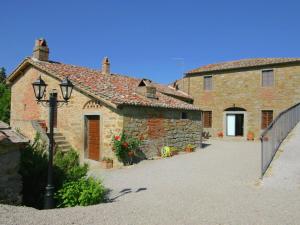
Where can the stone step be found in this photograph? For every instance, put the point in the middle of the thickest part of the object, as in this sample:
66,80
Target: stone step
61,142
59,138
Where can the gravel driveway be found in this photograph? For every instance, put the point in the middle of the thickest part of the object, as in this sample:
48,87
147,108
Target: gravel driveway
215,185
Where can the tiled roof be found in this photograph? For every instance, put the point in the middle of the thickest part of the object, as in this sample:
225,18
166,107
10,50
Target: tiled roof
243,63
115,88
8,135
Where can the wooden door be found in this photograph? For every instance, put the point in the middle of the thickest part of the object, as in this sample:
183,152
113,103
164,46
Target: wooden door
93,137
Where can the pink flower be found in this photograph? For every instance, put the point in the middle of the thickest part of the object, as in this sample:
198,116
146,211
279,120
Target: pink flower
117,138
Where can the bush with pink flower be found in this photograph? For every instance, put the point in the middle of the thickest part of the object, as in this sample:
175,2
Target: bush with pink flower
126,148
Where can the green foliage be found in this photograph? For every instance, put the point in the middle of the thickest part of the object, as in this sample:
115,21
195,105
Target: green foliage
4,102
126,148
165,152
2,75
66,170
84,191
67,167
33,168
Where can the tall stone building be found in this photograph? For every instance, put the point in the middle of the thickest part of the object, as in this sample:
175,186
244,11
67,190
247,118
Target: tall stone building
102,105
243,96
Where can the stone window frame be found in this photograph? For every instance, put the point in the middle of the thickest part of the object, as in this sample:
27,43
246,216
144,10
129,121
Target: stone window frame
101,150
204,83
261,78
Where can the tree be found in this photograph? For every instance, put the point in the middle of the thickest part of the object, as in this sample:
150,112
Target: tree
4,98
2,75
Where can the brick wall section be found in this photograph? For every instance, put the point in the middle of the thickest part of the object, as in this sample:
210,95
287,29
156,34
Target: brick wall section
243,88
160,127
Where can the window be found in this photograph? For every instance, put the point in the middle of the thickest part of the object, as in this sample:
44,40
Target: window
207,119
207,83
267,78
266,118
184,115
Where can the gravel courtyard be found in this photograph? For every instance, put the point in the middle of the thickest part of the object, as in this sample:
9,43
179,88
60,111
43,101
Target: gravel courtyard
215,185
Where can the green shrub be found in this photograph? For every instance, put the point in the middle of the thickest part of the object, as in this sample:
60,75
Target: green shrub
34,170
126,148
67,167
84,191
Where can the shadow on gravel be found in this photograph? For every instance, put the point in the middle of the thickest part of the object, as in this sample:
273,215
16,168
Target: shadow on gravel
204,145
126,191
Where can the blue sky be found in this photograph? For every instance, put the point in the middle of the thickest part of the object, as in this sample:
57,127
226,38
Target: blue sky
153,39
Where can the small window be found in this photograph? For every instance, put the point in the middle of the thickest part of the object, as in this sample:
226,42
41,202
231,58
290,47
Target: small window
267,78
207,119
207,83
266,118
184,115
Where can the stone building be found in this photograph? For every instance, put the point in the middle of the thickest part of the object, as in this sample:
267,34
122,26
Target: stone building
242,96
11,145
102,105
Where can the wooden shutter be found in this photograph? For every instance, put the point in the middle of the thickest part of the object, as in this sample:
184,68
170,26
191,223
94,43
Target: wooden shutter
266,118
267,78
208,83
207,119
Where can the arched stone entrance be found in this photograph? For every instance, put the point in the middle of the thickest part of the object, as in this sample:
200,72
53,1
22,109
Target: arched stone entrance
234,121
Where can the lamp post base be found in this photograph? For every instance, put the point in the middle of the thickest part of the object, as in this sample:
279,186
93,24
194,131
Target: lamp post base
49,197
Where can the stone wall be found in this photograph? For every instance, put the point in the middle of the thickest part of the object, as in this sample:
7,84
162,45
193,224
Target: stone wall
160,127
243,89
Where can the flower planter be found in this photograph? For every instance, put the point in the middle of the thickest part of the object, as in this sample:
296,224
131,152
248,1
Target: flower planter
250,136
107,164
188,149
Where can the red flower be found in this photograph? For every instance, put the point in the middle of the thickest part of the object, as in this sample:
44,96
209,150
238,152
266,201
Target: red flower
117,138
125,145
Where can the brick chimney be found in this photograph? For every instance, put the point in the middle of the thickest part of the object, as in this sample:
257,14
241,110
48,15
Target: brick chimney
106,66
41,50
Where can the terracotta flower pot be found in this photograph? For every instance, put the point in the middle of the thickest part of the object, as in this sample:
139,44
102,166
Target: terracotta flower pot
250,136
107,164
130,153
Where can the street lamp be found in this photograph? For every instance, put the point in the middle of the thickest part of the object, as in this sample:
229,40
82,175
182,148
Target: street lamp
39,87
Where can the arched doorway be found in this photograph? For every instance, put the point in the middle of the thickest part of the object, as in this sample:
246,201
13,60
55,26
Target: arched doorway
235,121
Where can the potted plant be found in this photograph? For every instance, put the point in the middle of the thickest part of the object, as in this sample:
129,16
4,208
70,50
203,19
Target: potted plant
107,162
220,134
189,148
250,136
174,151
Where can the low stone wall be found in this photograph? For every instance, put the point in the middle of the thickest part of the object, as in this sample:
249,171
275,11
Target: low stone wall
162,127
10,179
11,143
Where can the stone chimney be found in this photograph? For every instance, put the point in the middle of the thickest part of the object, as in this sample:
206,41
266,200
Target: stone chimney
106,66
146,89
41,50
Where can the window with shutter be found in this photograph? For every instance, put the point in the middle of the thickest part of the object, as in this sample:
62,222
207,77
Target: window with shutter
267,78
207,119
266,118
207,83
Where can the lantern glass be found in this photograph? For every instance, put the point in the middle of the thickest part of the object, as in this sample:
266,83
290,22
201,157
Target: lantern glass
66,87
39,88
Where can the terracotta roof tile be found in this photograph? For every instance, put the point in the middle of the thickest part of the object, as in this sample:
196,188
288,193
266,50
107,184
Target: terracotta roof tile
118,89
243,63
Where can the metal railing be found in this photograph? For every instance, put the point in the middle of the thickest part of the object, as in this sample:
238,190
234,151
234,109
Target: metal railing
275,133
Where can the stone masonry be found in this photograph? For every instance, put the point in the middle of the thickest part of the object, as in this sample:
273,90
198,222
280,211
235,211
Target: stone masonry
158,128
242,88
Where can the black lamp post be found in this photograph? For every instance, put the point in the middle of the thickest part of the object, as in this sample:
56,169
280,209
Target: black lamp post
39,87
